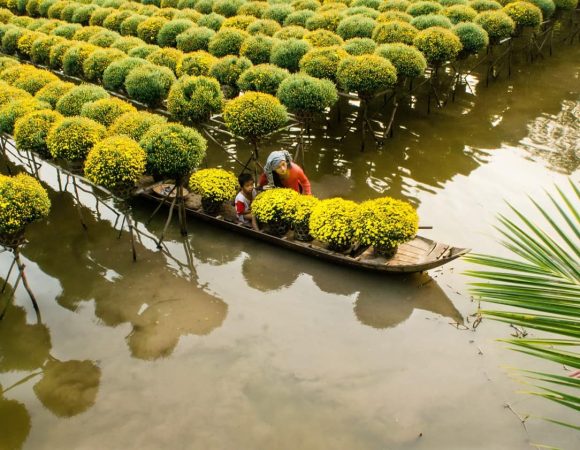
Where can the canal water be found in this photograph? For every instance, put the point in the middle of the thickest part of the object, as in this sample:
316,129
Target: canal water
220,342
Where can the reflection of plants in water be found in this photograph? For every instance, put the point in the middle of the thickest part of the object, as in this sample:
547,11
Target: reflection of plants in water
260,274
15,422
543,282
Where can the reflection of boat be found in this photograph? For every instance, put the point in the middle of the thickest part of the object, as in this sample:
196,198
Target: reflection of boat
416,255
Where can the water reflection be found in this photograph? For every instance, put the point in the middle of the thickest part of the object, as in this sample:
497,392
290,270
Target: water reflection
15,422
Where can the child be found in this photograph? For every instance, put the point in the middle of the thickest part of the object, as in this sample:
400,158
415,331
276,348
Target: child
243,201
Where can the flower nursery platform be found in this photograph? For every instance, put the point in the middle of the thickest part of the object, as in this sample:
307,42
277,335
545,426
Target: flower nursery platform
417,255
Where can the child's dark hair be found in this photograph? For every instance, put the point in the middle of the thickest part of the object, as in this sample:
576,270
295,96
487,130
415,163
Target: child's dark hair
244,178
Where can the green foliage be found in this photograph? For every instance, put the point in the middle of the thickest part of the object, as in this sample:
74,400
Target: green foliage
98,61
460,13
194,98
99,16
277,12
238,22
374,4
229,68
366,75
135,124
167,36
83,13
255,9
566,5
497,24
422,8
34,81
356,26
213,21
24,201
67,30
72,138
57,52
104,38
548,7
323,38
10,112
126,43
472,36
395,31
291,32
264,26
306,95
227,8
408,61
485,5
438,44
394,5
524,14
115,19
216,185
85,33
116,163
326,21
10,40
173,151
312,5
360,46
130,26
149,84
195,38
204,7
52,92
71,103
331,222
142,51
254,115
275,206
362,11
287,54
40,53
107,110
298,18
74,58
149,29
195,63
227,42
14,72
262,78
431,20
167,57
26,41
323,62
31,130
257,49
385,223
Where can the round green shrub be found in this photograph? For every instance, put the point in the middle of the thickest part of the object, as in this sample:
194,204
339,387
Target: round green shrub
116,163
394,5
264,26
326,21
107,110
385,223
52,92
83,13
7,62
98,61
227,8
262,78
167,36
374,4
116,72
356,26
5,15
135,124
149,84
291,32
194,98
204,6
366,74
149,29
67,30
312,5
72,138
35,81
15,71
460,13
10,40
306,95
331,222
115,19
298,18
24,201
257,49
105,38
548,7
71,103
447,3
189,14
9,93
485,5
10,112
497,24
395,31
44,6
195,63
423,8
360,46
255,9
472,36
438,44
68,11
408,61
168,57
173,151
142,51
31,130
254,115
228,69
227,42
362,11
40,53
323,38
99,15
195,38
130,25
85,33
57,52
54,11
566,5
287,54
524,14
323,62
277,12
238,22
74,58
431,20
126,43
49,26
212,21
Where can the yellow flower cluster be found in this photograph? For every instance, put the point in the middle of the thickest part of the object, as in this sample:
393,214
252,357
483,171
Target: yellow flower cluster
11,111
135,124
438,44
216,185
385,222
304,204
30,131
331,222
195,63
72,138
22,201
366,74
240,22
524,14
26,40
115,163
148,29
106,110
323,38
275,205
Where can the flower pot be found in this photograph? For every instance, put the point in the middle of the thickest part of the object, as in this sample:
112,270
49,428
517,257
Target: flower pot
385,251
12,240
339,248
278,228
302,232
210,206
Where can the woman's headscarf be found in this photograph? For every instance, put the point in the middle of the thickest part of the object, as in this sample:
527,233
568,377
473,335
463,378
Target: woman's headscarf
273,161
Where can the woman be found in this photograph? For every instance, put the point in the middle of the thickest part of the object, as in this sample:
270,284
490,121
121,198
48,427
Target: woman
280,171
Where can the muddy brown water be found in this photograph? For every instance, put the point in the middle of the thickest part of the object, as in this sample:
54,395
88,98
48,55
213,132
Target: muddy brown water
228,343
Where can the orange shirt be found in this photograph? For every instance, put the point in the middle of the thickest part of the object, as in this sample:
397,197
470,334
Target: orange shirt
296,180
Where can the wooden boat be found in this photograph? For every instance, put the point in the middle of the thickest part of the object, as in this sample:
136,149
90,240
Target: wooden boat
416,255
